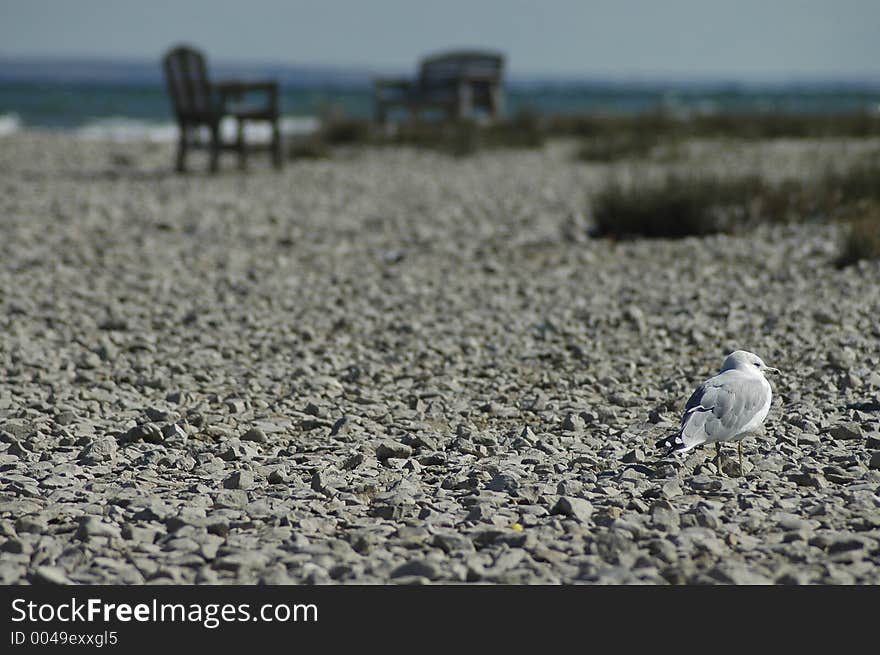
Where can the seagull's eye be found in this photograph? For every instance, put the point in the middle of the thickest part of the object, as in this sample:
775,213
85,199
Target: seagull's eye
757,364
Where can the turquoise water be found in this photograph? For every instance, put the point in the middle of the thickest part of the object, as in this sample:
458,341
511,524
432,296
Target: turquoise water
72,105
66,105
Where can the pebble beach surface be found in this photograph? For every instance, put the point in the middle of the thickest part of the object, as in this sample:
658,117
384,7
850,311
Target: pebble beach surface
396,366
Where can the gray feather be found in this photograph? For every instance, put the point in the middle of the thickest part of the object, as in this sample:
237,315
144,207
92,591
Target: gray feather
721,407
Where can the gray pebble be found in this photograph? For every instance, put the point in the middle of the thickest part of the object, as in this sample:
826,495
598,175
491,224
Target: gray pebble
102,449
577,508
392,449
846,431
53,575
418,568
255,435
92,526
239,480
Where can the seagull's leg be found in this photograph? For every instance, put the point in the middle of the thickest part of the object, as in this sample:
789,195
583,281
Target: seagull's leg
718,457
740,445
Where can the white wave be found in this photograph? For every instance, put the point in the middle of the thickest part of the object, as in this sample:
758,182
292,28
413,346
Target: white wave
9,124
300,124
121,129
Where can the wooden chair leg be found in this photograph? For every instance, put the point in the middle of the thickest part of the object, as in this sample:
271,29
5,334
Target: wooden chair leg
276,144
497,101
215,147
464,101
242,151
180,165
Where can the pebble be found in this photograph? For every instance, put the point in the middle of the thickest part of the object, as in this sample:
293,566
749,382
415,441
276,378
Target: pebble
256,435
391,449
239,480
146,432
577,508
92,526
846,431
503,482
419,568
102,449
53,575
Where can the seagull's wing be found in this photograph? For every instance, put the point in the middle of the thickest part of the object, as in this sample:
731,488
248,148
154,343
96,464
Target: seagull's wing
721,408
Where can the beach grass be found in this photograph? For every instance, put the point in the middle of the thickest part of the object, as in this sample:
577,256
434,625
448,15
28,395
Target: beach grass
862,239
612,138
604,138
679,206
753,126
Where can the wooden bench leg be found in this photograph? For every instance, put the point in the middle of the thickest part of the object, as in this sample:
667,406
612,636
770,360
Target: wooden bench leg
215,147
497,101
276,144
239,144
180,165
465,105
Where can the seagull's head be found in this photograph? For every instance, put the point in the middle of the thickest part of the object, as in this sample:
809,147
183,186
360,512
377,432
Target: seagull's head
743,360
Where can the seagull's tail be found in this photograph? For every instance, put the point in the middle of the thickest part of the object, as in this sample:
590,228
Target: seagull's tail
672,443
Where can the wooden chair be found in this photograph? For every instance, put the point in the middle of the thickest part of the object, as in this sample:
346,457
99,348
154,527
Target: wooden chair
454,82
198,102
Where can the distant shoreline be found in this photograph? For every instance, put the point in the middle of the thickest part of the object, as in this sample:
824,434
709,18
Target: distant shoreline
80,69
76,103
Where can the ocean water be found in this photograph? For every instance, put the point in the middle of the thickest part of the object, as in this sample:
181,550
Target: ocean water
127,100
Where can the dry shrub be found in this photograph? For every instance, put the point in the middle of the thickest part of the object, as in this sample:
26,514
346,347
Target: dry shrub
676,207
683,206
862,240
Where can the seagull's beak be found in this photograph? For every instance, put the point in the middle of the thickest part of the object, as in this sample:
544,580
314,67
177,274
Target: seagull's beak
770,369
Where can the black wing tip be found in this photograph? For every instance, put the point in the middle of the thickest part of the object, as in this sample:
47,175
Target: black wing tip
671,444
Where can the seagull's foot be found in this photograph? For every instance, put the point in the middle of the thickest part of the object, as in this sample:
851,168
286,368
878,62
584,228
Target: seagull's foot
729,467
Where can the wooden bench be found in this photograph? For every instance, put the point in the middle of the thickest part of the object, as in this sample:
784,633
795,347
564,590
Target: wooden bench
198,102
456,83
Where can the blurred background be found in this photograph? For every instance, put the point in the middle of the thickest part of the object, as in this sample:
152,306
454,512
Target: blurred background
93,67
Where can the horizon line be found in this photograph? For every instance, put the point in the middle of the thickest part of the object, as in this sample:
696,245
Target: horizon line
631,77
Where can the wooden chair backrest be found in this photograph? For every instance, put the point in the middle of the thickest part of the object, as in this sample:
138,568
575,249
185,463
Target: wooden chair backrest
447,68
186,77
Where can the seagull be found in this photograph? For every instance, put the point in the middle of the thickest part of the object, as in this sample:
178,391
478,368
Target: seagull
726,407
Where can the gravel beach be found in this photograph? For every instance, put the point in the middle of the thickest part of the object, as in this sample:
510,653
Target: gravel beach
397,366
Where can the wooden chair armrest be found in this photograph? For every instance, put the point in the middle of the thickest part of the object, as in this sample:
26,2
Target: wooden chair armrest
482,78
246,86
401,83
234,89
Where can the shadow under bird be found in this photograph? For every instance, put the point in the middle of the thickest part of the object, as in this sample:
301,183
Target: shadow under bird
727,407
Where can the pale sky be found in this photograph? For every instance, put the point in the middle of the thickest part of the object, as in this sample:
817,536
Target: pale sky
625,38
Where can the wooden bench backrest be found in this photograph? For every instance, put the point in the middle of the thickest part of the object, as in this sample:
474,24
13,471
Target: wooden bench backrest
445,69
186,76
